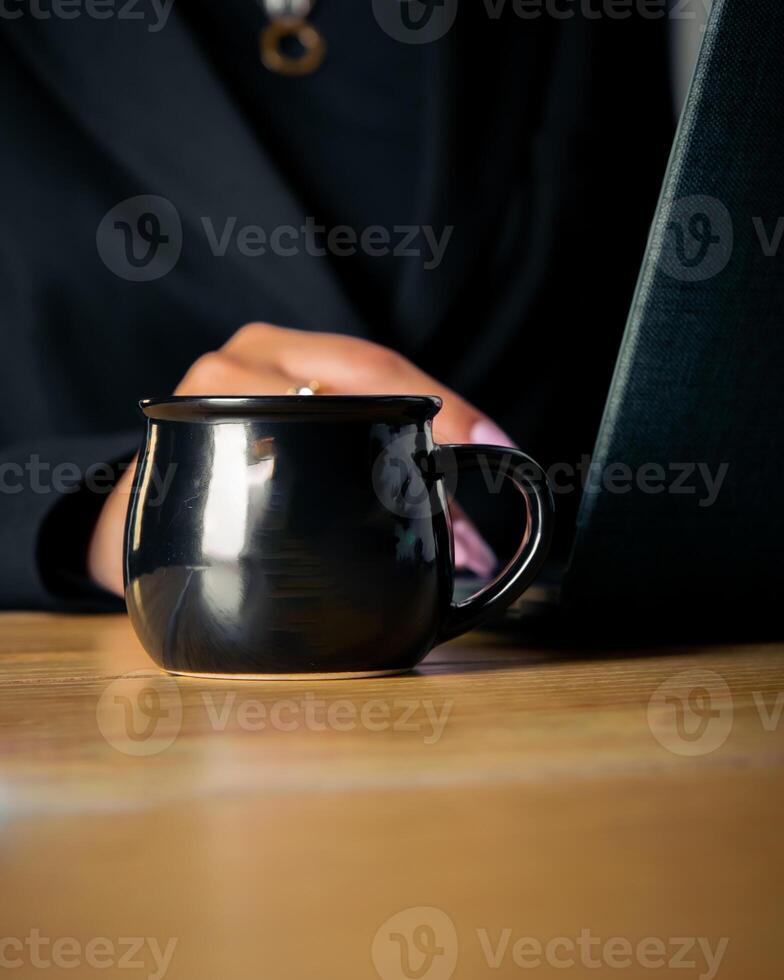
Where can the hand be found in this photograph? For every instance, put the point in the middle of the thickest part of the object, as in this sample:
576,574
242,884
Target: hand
261,359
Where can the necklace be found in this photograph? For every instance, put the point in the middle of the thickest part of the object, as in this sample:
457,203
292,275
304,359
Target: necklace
289,22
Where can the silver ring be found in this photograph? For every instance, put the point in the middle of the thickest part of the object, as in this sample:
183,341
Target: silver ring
311,388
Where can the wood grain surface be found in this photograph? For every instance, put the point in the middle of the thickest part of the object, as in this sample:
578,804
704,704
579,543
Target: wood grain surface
503,812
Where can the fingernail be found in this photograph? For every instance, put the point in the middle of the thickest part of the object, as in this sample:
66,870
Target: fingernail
486,433
471,550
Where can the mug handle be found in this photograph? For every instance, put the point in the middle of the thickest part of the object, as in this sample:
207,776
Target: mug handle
531,481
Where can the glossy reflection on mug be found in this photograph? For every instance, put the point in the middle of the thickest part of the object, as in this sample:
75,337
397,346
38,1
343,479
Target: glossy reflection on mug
302,536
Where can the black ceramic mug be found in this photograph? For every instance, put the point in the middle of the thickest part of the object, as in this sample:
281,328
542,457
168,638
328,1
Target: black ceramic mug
297,535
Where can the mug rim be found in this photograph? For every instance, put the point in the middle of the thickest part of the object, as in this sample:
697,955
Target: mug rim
205,407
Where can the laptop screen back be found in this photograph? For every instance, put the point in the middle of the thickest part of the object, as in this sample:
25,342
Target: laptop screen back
684,502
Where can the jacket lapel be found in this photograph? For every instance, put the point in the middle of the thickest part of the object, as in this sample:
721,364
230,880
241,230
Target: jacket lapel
154,106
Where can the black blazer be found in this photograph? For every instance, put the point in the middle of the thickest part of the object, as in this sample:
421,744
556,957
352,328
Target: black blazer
543,144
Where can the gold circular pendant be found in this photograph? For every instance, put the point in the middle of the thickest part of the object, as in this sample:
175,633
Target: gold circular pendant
313,44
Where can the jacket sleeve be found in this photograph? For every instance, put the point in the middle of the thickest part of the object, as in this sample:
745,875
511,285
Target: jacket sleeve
51,493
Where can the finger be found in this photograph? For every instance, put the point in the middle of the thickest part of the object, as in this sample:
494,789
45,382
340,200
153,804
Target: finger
349,365
216,374
472,552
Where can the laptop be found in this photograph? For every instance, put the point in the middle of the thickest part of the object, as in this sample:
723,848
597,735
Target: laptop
682,515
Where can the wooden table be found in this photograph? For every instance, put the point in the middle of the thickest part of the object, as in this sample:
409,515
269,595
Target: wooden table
450,822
